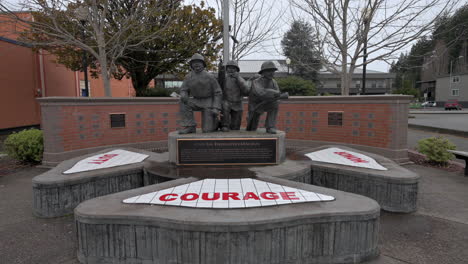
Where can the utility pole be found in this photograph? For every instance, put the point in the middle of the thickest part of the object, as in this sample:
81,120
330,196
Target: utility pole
225,31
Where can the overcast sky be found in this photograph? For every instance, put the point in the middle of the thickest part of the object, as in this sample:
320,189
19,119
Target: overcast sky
273,51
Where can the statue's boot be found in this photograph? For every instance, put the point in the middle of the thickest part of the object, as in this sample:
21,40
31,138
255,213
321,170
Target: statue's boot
271,130
225,129
187,130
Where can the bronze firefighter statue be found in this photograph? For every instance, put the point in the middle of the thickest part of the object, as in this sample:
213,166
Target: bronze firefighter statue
264,96
233,89
199,92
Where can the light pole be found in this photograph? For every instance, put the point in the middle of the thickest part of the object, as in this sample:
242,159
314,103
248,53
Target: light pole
364,58
225,31
82,15
450,78
288,62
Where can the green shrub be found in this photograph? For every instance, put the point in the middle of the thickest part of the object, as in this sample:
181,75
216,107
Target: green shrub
155,92
25,146
296,86
435,149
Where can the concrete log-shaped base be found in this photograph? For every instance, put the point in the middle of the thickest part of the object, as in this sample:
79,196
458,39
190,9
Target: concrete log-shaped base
340,231
396,190
57,194
247,135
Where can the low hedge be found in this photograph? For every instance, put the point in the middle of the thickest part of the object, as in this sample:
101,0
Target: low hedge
26,146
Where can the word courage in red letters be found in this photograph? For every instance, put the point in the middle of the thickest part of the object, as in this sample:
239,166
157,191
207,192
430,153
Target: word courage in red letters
351,157
229,196
103,159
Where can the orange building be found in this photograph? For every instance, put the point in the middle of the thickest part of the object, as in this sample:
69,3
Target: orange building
26,75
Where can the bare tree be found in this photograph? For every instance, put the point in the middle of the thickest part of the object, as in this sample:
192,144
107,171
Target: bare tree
254,25
56,23
386,26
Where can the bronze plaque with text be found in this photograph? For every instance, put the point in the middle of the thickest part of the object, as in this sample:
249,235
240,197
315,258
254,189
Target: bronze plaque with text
238,151
335,118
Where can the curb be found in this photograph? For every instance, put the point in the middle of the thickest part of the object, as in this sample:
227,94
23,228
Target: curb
438,112
440,130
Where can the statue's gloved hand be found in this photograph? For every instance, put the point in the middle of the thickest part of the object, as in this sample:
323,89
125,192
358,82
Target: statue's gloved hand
284,95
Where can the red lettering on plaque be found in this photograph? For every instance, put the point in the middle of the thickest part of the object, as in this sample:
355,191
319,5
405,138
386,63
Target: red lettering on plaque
351,157
189,197
205,197
251,195
231,195
269,196
165,198
289,196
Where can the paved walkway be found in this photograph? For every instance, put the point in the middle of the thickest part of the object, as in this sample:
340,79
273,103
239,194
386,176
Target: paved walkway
436,234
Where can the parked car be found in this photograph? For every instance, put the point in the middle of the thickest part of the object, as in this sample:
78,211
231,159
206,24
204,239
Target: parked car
452,104
429,104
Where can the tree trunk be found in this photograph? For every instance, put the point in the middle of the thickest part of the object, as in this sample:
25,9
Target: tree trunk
139,81
104,67
344,79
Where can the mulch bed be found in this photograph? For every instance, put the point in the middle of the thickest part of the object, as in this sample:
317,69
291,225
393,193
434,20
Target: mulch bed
9,166
421,159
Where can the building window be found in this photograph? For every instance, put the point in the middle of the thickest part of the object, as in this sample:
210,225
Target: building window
172,84
83,91
374,84
338,85
358,84
455,79
455,92
380,84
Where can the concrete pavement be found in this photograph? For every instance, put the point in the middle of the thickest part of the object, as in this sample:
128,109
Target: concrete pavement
436,233
449,122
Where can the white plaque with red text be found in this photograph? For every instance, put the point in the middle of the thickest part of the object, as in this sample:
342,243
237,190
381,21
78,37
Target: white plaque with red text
110,159
345,157
228,193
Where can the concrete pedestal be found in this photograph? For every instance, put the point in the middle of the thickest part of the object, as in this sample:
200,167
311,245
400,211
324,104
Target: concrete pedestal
340,231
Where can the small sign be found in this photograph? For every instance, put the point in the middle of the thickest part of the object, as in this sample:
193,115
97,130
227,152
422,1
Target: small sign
110,159
345,157
225,151
335,118
117,120
228,193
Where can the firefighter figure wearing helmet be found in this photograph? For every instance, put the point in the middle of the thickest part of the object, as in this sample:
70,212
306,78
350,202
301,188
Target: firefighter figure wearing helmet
199,92
233,90
264,96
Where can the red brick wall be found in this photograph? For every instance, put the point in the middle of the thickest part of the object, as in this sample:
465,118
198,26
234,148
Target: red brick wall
78,123
18,83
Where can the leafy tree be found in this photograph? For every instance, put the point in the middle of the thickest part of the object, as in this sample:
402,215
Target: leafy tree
134,38
298,45
453,31
408,66
297,86
407,89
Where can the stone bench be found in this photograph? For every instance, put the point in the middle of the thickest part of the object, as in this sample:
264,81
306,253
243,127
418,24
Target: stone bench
341,231
395,189
57,194
461,155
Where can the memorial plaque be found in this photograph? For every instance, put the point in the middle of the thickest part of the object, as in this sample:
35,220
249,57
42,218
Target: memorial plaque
117,120
227,151
335,118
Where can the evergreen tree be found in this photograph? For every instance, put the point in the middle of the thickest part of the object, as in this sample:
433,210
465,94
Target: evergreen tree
298,45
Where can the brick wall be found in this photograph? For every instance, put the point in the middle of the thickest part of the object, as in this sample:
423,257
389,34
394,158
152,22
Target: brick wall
73,126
